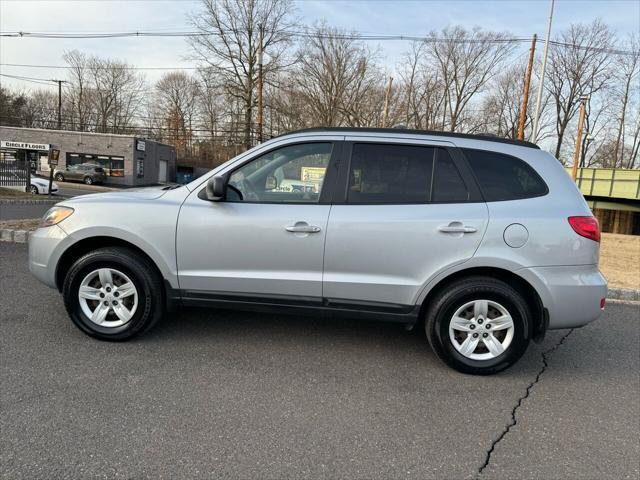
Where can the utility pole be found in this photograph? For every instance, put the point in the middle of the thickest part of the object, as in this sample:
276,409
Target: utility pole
576,156
386,103
260,82
536,113
525,93
59,82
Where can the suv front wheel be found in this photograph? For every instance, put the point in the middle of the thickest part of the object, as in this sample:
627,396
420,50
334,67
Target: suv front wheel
113,294
479,325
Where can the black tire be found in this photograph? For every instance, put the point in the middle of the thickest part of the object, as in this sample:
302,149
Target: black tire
143,275
59,177
444,306
33,190
88,180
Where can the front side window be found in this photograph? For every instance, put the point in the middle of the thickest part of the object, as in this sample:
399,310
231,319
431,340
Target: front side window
503,177
291,174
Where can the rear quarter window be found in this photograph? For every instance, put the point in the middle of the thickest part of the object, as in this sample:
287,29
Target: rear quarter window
504,177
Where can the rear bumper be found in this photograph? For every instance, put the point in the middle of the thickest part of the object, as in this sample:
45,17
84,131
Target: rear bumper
571,294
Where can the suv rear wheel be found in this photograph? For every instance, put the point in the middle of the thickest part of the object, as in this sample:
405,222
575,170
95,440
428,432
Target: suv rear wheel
479,325
88,180
113,294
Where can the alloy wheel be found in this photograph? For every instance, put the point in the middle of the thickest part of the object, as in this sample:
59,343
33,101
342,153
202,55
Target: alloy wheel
481,329
108,297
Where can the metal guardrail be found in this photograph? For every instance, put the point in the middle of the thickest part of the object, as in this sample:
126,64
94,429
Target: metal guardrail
608,182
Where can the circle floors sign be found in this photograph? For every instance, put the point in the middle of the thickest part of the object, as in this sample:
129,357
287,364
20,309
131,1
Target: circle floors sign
42,147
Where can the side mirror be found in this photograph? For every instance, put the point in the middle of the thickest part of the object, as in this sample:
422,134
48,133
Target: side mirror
216,188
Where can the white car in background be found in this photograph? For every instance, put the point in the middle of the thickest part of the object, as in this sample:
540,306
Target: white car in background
37,185
41,186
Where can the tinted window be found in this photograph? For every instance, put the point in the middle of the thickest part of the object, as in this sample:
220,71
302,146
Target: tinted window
448,185
503,177
403,174
390,174
289,174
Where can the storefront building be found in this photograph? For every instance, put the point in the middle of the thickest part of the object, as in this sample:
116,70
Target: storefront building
126,160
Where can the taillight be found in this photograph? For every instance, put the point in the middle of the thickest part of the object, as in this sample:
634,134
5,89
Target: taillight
586,226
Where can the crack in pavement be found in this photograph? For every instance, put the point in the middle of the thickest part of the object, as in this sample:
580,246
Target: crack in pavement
514,421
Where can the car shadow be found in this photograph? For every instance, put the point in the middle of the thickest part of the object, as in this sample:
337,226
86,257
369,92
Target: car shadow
290,335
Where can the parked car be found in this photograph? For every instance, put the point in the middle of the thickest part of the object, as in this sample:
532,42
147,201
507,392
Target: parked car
485,243
84,172
41,186
37,185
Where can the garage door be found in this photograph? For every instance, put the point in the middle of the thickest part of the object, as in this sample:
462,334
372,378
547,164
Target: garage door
162,171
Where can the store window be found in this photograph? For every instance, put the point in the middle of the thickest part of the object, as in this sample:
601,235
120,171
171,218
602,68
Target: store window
112,166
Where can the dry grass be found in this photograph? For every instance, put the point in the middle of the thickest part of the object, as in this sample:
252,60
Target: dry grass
12,193
620,260
21,224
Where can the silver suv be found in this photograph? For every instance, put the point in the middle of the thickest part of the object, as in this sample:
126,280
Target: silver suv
485,242
83,172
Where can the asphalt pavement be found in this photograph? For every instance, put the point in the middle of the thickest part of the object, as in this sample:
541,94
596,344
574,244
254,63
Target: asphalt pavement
244,395
13,211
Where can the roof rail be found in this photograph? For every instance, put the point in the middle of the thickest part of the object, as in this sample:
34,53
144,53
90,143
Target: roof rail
486,136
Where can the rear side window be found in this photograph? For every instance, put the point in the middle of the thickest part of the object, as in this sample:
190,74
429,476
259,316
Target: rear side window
98,170
448,185
503,177
390,173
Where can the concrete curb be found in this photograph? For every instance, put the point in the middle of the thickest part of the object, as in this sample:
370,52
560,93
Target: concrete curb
14,236
28,201
624,294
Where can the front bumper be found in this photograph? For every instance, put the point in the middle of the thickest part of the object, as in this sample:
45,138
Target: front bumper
45,248
571,294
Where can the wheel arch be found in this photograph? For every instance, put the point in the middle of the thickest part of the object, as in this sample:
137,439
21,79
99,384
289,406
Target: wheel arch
526,289
85,245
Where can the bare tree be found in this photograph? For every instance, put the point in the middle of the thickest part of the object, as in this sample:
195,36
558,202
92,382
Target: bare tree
41,110
628,68
176,95
501,107
78,91
467,60
116,91
335,76
423,95
230,41
581,67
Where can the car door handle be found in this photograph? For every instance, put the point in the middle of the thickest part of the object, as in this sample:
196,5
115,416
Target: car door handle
302,229
457,227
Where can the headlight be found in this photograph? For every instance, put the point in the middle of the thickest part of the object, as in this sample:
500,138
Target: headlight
54,216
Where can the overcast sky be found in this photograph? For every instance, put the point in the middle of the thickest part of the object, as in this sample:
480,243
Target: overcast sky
521,18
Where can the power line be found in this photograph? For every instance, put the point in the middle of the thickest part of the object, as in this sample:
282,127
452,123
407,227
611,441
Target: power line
293,33
98,67
41,81
301,34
